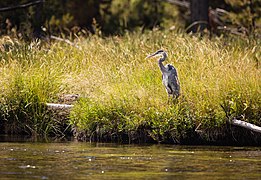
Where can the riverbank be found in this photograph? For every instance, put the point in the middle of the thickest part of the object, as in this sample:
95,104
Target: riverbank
122,98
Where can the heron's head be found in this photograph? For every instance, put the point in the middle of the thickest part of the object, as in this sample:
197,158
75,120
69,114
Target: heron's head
157,53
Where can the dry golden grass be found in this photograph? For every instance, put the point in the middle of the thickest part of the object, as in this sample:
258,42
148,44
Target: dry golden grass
113,74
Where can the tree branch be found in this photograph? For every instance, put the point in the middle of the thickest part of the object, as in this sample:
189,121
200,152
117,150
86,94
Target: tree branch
179,3
25,5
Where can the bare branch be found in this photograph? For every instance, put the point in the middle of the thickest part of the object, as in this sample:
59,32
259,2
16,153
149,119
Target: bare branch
64,40
185,4
25,5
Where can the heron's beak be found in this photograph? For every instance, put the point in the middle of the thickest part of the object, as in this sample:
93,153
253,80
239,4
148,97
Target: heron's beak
149,56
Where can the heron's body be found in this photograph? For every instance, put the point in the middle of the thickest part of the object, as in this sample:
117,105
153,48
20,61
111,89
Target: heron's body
169,75
170,81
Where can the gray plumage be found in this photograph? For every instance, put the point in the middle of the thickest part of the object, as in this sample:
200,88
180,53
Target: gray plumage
169,75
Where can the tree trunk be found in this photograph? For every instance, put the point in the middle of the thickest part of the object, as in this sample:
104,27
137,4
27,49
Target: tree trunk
38,21
199,15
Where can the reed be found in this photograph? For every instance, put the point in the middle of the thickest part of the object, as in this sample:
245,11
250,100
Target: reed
122,97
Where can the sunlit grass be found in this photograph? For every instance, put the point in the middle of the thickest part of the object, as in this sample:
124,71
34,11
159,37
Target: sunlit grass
122,91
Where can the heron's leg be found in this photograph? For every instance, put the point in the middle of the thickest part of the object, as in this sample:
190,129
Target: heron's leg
168,98
174,98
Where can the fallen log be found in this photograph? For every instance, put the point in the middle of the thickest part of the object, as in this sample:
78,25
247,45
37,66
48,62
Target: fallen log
59,106
66,101
240,123
246,125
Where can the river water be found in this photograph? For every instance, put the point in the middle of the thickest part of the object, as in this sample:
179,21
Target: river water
75,160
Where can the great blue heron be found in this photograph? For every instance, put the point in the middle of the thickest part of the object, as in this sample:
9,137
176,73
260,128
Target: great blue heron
169,75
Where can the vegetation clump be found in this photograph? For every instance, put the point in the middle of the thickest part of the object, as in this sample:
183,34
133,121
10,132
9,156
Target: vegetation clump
122,97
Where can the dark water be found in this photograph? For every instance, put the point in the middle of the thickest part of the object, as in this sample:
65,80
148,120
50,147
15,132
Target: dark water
72,160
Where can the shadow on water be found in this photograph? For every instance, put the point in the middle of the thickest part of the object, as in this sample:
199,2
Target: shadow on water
26,159
25,138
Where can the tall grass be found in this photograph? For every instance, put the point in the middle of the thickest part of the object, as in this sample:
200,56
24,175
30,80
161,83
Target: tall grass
122,94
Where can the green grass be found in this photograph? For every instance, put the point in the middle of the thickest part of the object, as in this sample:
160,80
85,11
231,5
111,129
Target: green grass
121,91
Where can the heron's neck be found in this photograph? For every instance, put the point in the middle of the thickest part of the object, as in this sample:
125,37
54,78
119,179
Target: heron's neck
162,67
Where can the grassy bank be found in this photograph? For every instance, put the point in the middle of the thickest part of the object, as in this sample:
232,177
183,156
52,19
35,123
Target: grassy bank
122,97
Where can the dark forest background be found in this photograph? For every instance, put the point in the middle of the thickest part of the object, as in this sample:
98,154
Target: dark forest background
28,18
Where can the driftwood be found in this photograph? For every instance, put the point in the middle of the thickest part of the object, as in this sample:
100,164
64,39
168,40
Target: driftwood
246,125
237,122
59,106
66,101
